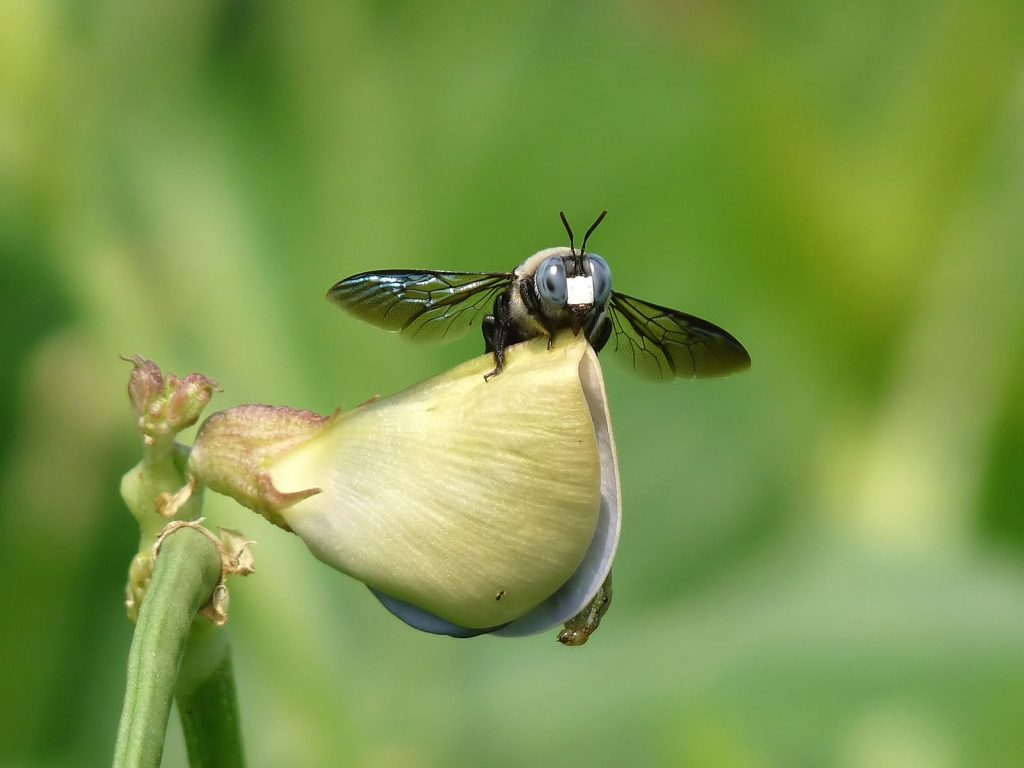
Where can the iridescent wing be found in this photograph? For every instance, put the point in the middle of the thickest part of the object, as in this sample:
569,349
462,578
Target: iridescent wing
661,343
419,303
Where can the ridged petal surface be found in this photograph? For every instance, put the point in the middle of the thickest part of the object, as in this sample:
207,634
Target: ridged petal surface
474,500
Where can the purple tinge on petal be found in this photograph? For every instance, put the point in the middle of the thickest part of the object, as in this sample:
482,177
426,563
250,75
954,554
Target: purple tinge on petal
425,621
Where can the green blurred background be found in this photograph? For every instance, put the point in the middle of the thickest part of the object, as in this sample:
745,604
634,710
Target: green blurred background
823,558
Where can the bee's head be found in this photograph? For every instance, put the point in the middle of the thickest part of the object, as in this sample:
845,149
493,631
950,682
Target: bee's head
573,283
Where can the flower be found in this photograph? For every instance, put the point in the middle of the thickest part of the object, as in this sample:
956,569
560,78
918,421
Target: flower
467,506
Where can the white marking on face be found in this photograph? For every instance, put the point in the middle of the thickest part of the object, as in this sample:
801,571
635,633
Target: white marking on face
579,290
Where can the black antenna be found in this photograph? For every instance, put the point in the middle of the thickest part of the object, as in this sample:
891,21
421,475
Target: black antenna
583,248
568,229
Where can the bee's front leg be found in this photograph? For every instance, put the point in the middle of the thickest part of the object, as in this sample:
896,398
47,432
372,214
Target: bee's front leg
499,352
489,327
496,333
599,336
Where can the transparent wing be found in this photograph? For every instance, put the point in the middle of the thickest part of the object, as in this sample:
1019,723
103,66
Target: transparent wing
421,304
661,343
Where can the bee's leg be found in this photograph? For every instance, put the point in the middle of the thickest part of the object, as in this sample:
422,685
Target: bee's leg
498,348
601,333
489,326
496,331
499,363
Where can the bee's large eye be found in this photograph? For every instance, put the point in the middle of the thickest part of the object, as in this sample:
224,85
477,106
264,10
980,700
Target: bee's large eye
550,281
602,275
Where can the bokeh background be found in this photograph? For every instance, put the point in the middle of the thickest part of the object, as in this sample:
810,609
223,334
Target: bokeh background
823,558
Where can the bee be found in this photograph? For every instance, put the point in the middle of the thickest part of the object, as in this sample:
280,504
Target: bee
556,289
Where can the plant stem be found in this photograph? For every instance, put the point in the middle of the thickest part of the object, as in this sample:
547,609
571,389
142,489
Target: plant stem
207,702
187,570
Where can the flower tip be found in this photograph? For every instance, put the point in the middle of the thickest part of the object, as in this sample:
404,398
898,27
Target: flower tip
144,384
166,405
187,399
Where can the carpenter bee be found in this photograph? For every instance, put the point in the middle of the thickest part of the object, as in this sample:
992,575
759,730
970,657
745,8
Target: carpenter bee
555,289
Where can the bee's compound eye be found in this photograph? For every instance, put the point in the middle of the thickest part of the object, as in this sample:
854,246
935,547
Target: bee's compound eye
550,281
602,276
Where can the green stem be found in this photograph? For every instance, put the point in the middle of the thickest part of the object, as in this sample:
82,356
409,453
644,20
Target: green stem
207,702
187,570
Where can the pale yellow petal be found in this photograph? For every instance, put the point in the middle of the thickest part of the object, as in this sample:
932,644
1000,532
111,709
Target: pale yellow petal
472,499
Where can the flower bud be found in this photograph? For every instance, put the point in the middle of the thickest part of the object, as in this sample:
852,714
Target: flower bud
165,406
145,384
466,505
